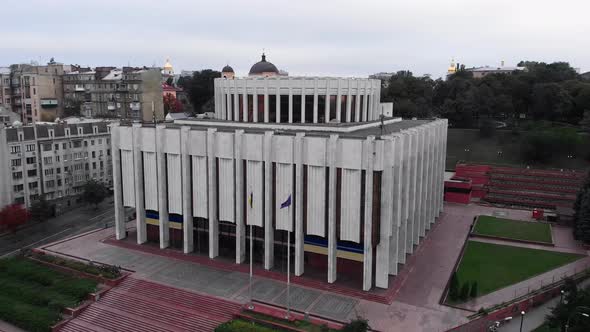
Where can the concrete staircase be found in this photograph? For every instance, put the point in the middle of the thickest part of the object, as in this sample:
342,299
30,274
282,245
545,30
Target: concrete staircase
140,305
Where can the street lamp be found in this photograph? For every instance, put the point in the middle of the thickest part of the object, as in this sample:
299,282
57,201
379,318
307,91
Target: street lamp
561,296
521,319
567,324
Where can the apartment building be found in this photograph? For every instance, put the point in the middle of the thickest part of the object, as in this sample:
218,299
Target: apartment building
5,90
36,91
109,92
53,160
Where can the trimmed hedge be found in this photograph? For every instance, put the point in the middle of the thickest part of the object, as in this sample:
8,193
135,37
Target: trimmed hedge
239,325
32,295
106,271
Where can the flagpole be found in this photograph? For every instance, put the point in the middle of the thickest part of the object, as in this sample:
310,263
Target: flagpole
251,305
289,271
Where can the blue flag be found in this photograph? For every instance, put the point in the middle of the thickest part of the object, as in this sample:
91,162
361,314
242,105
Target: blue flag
286,203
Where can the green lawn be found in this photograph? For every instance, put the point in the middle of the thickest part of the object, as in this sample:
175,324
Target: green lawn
513,229
495,266
32,296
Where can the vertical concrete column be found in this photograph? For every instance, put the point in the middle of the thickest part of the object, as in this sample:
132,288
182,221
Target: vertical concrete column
444,156
290,102
368,149
421,181
299,236
187,201
383,248
266,107
164,221
120,230
440,168
339,102
396,224
332,239
412,229
315,100
431,176
377,99
268,229
236,101
278,103
365,100
348,101
255,102
138,179
240,225
228,107
222,100
303,102
217,106
327,103
212,192
405,229
357,102
245,101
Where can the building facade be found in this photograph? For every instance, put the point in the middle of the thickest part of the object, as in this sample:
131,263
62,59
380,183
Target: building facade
5,89
36,91
53,160
354,198
128,93
280,99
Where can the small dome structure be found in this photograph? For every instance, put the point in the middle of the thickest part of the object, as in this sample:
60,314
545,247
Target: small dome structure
227,69
263,67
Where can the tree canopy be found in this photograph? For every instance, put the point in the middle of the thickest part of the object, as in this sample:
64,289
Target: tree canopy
41,210
200,88
94,192
12,216
552,92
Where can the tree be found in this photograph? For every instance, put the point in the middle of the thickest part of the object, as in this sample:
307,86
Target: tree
575,300
550,101
454,287
464,294
170,81
357,325
582,213
473,291
41,210
12,216
200,87
94,192
72,108
171,104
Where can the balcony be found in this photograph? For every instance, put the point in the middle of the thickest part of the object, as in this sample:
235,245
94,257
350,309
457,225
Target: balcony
79,88
111,106
49,103
135,106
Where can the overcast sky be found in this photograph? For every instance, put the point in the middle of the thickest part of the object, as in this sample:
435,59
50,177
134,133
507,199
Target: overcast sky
303,37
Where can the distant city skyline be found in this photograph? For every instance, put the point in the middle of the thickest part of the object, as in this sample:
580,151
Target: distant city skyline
343,38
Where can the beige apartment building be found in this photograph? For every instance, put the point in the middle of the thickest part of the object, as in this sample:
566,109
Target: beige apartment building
36,91
109,92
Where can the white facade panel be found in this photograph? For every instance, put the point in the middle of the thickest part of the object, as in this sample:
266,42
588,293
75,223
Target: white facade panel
284,193
174,183
127,172
350,216
254,193
226,190
199,185
316,200
150,180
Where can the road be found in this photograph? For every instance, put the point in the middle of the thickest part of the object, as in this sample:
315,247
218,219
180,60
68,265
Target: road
74,222
535,317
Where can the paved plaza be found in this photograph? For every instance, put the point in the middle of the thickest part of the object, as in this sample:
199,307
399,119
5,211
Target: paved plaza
415,306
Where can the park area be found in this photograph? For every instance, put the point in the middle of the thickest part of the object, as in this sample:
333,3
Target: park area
494,266
32,296
513,229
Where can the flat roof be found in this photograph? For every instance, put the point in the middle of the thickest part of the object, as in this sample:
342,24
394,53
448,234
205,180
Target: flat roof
354,129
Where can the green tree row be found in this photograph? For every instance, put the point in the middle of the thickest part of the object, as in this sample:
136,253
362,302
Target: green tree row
461,292
582,213
553,92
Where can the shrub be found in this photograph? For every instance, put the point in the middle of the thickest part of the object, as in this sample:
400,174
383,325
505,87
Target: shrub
454,287
239,325
358,325
473,291
464,294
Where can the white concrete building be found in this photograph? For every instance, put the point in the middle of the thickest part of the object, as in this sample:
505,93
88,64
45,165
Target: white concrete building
54,160
358,196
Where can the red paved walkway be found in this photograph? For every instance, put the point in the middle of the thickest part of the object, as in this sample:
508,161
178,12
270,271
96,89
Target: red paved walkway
140,305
